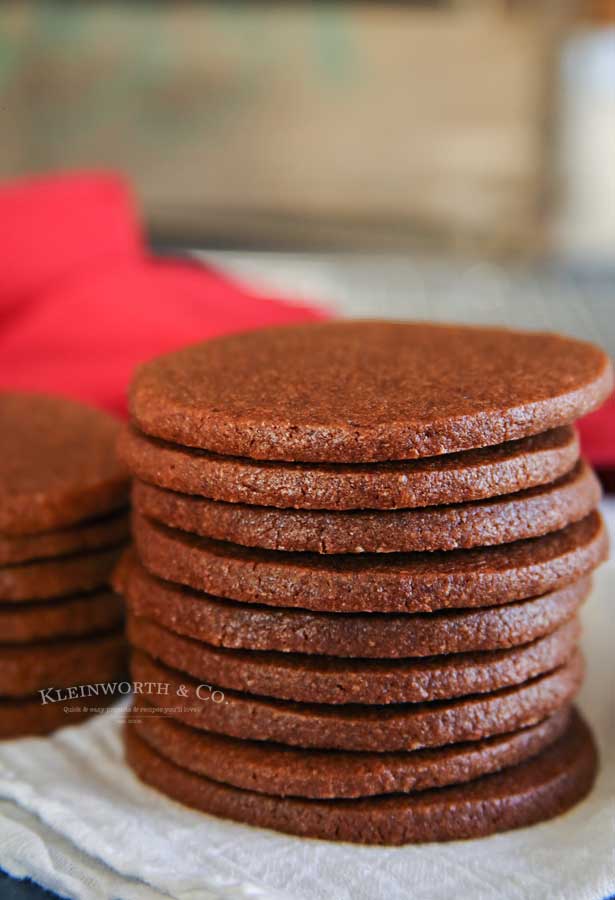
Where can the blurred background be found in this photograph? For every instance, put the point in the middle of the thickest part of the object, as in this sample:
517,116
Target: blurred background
448,159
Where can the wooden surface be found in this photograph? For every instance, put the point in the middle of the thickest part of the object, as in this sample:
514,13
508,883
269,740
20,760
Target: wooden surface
369,124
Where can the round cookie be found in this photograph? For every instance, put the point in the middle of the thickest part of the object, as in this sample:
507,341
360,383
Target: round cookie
28,717
322,679
225,623
454,478
321,774
58,463
484,523
57,577
70,617
409,726
80,538
533,791
367,391
28,668
372,582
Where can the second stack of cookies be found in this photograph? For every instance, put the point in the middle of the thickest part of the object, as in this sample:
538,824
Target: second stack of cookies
63,523
373,540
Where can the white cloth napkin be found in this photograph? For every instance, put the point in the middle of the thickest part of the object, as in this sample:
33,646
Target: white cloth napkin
75,819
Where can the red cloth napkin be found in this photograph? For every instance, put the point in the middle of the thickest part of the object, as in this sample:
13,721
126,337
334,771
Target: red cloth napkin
598,438
58,226
82,302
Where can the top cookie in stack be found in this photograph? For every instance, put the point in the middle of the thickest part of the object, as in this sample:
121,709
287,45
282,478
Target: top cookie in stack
312,479
63,522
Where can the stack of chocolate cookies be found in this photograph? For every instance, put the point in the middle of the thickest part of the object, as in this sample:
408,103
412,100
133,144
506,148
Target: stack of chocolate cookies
360,551
63,524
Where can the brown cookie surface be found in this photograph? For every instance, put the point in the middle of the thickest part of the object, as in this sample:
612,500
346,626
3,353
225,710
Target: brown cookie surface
91,535
57,577
483,523
406,726
538,789
453,478
322,679
28,717
83,614
58,463
417,582
367,391
321,774
28,668
226,623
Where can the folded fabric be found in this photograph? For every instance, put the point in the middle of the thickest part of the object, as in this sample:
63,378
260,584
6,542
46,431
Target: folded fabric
598,436
59,225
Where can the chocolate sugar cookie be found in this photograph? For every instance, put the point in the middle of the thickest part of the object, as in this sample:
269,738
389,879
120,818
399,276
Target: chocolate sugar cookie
57,577
453,478
418,582
484,523
57,463
322,774
367,391
225,623
28,668
538,789
322,679
90,535
407,726
28,717
67,617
